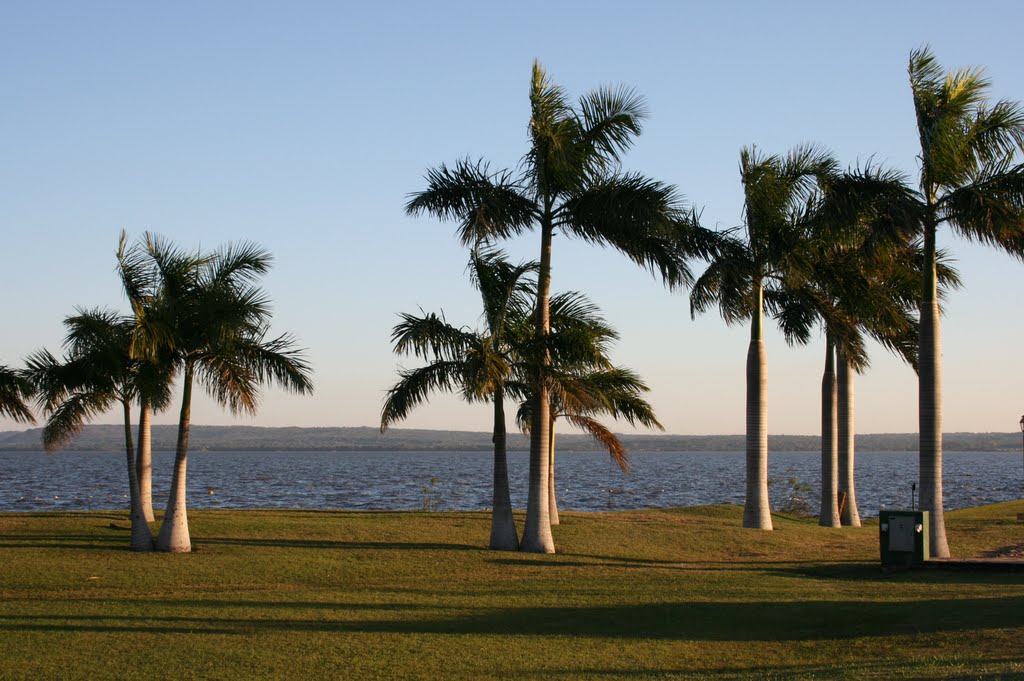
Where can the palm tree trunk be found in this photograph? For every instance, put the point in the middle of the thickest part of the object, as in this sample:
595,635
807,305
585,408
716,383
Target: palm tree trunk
174,535
756,509
829,516
141,537
537,532
144,462
850,516
503,525
552,499
930,401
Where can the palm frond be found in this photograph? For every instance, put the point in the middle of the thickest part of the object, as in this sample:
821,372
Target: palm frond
67,419
429,336
603,437
485,205
639,217
15,389
415,387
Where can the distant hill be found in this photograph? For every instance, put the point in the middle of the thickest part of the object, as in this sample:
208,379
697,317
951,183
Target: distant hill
226,438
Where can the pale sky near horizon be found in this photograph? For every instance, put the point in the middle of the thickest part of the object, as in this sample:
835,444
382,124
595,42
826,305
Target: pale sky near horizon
304,127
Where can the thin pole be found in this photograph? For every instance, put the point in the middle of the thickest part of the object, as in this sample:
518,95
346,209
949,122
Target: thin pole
1022,442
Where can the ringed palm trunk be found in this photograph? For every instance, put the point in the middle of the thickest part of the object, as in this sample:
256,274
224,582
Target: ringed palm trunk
930,402
552,499
174,535
144,462
847,452
141,537
829,516
503,525
537,532
756,509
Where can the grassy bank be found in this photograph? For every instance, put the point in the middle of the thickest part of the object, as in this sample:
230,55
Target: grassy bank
652,594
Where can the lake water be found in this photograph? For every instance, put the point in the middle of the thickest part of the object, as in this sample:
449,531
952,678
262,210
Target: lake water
33,481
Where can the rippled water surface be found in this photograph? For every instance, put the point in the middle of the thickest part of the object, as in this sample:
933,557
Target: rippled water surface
461,480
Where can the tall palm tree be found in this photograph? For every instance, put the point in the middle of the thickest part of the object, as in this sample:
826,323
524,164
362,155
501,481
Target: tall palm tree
478,364
14,391
779,198
570,182
97,373
971,180
211,322
138,285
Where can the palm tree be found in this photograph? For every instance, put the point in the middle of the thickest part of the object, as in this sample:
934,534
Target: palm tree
570,183
14,390
779,198
971,180
97,373
852,292
583,384
479,364
137,283
211,322
580,397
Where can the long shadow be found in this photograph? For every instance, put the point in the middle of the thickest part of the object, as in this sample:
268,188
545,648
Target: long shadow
693,621
334,544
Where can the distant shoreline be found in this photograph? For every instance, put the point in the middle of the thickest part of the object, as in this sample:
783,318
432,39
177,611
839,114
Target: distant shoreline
256,438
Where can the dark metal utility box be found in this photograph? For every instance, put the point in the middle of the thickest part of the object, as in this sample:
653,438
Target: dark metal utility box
903,538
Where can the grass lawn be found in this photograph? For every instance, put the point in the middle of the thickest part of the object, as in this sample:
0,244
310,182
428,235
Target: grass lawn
657,594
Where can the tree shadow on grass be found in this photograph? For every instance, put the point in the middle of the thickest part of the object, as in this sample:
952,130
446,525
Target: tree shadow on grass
335,544
692,621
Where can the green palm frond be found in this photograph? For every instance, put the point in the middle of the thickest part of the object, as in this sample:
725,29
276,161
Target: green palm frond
15,389
485,205
278,361
429,336
506,290
415,387
67,419
639,217
611,121
728,283
990,210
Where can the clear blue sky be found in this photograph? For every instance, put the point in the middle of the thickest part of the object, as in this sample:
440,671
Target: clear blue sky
304,126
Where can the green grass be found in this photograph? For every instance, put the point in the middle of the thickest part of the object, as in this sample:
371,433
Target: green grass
681,593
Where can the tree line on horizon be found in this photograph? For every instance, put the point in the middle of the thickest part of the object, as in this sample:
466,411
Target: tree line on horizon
109,437
848,253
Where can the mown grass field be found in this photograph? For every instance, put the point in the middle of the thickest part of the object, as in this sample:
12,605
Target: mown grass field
658,594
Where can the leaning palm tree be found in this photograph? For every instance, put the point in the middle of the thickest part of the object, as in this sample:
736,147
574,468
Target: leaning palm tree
970,179
478,364
211,321
14,391
96,374
780,194
570,183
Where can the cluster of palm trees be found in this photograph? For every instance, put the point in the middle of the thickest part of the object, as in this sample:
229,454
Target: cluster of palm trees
852,252
194,314
500,362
